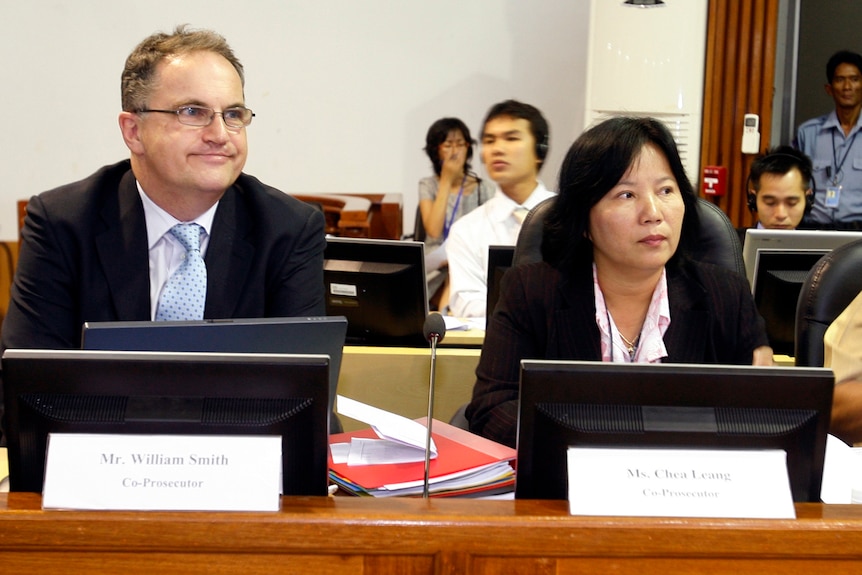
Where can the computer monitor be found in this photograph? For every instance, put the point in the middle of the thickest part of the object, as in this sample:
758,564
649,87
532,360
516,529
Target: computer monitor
379,286
758,241
499,262
636,405
296,335
776,264
80,391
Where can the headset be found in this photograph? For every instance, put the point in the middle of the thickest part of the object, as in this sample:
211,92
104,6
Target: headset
752,198
542,148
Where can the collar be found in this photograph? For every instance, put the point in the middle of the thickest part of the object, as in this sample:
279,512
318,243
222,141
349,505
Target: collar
159,221
651,347
502,206
833,123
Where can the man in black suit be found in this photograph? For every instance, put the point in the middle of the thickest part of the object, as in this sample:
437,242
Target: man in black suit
101,249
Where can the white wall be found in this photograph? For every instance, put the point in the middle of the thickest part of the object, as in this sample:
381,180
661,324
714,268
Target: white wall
666,69
344,90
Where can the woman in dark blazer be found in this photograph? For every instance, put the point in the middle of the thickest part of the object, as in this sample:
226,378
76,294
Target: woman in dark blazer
615,283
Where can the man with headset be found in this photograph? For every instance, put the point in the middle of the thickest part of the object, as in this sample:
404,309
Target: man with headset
779,188
514,146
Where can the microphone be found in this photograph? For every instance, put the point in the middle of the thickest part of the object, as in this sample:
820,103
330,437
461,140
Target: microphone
433,329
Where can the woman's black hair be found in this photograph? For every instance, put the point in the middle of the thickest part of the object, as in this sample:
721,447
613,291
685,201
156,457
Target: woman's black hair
594,164
437,134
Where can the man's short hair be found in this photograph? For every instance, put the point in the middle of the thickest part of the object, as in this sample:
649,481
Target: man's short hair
139,74
779,161
842,57
522,111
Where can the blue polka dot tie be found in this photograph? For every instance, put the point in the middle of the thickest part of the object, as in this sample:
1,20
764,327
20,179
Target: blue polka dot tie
185,291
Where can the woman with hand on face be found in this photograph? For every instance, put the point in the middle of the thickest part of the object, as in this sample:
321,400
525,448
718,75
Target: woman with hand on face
451,192
616,283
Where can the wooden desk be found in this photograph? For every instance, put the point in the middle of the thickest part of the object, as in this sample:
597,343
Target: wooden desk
396,379
360,215
415,536
469,338
8,263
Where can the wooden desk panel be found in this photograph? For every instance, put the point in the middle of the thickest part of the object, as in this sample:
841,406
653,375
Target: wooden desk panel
8,263
406,536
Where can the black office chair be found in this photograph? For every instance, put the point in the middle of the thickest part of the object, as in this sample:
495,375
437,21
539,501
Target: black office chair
718,242
418,234
831,285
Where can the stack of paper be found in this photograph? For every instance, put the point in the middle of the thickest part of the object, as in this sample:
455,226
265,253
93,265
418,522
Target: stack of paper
389,458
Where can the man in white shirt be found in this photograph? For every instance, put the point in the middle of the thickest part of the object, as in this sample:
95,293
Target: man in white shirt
514,146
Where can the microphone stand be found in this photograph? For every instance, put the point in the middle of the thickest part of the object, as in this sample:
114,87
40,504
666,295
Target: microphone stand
433,330
434,337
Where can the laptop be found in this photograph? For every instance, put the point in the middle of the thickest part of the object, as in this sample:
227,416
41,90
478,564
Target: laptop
294,335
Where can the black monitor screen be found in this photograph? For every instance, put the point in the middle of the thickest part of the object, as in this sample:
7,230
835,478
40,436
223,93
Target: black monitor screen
499,262
594,404
777,283
296,335
171,394
379,286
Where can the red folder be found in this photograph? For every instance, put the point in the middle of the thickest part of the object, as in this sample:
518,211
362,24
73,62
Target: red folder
457,450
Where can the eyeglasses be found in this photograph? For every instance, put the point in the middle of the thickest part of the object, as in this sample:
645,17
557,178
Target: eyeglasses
200,116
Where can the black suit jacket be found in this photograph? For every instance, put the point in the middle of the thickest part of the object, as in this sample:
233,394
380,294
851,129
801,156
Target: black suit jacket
84,258
543,314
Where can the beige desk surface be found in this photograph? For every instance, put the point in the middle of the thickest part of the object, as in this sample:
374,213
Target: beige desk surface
463,338
396,379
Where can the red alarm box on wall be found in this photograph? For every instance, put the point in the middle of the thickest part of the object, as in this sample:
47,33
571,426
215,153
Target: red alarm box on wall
714,181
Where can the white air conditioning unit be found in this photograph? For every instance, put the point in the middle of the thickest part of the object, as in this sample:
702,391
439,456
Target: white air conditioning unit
647,59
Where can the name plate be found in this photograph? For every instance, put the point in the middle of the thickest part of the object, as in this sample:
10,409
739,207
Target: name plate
162,472
679,483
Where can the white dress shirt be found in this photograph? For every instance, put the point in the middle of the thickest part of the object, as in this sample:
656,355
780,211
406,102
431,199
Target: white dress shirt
491,224
165,251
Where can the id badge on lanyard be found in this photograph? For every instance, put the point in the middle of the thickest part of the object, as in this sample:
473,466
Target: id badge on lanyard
833,192
833,196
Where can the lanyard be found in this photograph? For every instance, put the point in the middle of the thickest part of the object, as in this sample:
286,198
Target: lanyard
451,219
838,166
